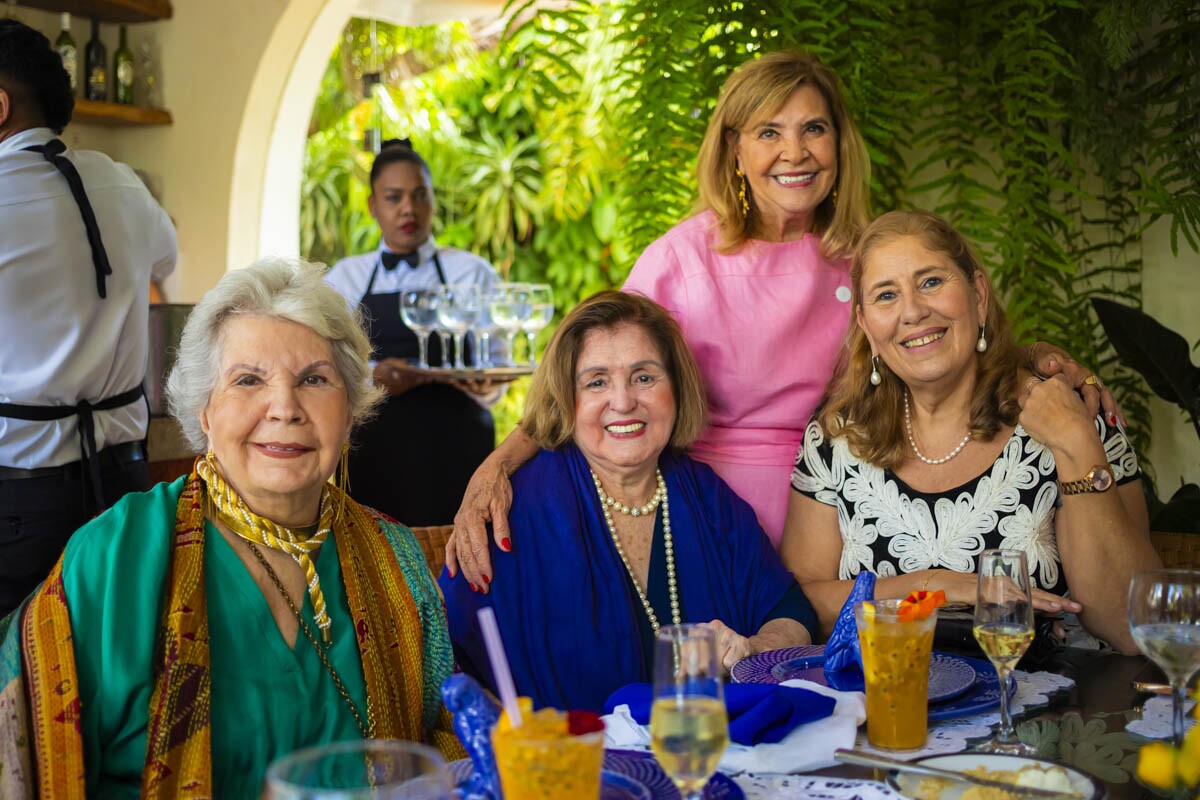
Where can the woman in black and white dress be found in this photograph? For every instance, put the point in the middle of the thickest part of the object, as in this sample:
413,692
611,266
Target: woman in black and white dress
935,445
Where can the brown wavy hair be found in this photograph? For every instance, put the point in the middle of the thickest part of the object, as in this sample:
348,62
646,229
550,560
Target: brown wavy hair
759,89
871,417
550,404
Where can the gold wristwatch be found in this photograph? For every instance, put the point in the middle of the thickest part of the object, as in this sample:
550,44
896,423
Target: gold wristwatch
1098,479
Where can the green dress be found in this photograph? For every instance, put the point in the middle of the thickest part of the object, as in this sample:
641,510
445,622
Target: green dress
267,699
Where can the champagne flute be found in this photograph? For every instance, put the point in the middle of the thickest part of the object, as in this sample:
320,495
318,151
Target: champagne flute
1164,617
457,309
361,769
689,729
1004,629
418,310
541,300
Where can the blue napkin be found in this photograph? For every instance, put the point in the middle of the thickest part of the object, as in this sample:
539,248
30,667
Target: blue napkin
843,658
758,713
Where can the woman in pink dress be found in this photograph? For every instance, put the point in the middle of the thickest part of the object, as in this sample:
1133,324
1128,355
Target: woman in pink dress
759,281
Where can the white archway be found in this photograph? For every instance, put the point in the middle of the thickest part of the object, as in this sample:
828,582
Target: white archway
264,203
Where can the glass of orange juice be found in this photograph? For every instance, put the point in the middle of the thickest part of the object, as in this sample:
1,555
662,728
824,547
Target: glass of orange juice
895,658
542,759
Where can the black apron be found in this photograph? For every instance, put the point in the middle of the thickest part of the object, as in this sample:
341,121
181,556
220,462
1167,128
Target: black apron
414,459
94,500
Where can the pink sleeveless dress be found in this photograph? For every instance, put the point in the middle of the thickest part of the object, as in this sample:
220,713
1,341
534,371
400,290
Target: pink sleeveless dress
766,325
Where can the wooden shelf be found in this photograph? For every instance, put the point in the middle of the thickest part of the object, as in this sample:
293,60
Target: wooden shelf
96,112
108,10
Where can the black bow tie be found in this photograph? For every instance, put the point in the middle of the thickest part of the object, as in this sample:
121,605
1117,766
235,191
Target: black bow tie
392,260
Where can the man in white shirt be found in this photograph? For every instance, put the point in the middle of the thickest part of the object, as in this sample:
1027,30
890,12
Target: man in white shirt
80,241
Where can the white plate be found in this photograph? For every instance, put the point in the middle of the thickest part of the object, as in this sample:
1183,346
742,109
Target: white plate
1086,787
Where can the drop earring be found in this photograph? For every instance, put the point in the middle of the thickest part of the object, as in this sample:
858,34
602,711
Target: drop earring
742,191
981,345
876,378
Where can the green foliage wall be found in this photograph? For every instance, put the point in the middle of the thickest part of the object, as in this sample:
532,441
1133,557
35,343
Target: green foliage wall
1052,132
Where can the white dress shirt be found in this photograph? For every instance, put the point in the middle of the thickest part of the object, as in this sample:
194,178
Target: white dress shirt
351,275
60,343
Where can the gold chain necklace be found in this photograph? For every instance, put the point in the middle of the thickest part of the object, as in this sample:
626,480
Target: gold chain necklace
668,547
367,732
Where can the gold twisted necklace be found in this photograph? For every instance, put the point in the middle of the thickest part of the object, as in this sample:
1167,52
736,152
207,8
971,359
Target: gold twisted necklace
606,504
231,510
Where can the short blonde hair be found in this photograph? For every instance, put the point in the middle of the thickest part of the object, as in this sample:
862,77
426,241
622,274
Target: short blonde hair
870,417
758,89
273,287
550,405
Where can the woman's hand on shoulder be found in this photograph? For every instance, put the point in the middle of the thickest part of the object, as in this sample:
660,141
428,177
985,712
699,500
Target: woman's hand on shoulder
488,499
1047,361
1053,414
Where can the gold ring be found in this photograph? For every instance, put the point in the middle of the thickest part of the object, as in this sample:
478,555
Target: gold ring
1093,380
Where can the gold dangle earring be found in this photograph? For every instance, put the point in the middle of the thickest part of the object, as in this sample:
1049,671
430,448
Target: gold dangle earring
742,191
343,480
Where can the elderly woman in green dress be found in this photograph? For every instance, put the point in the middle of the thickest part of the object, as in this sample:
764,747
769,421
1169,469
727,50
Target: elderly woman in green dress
194,633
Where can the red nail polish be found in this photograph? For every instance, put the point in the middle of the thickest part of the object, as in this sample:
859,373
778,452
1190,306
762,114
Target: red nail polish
1112,419
486,579
506,544
474,588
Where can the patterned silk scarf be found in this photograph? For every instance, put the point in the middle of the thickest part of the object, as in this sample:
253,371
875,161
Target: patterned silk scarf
402,662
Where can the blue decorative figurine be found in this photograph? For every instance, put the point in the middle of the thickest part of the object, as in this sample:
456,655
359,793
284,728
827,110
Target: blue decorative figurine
843,657
475,714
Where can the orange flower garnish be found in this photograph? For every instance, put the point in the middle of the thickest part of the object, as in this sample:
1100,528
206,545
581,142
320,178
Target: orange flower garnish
920,604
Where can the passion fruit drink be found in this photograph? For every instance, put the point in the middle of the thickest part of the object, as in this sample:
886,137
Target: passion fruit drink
543,759
896,647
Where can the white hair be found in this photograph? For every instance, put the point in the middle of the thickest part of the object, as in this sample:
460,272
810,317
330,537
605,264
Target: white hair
284,289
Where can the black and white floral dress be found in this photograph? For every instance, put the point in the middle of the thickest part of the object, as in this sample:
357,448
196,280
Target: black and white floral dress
890,528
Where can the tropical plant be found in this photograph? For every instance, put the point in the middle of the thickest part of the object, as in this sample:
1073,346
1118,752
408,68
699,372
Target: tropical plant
1053,132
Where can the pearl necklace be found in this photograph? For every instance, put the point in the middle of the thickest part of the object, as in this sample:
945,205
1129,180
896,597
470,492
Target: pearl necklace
913,442
607,503
634,511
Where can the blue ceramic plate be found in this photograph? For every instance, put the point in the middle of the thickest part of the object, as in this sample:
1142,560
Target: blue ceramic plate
613,785
949,676
645,770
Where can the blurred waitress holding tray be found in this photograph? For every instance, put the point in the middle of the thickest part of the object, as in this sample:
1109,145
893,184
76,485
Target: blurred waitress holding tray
414,459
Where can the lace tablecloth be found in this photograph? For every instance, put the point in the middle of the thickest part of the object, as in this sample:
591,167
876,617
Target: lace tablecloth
1156,722
1034,690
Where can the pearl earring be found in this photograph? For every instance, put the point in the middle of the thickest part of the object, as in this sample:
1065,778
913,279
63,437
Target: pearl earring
876,379
981,345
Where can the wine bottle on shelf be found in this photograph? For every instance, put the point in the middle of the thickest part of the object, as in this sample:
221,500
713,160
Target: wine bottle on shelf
123,71
96,65
65,45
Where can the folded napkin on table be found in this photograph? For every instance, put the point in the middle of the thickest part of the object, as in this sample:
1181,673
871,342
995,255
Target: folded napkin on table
758,713
843,658
808,745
